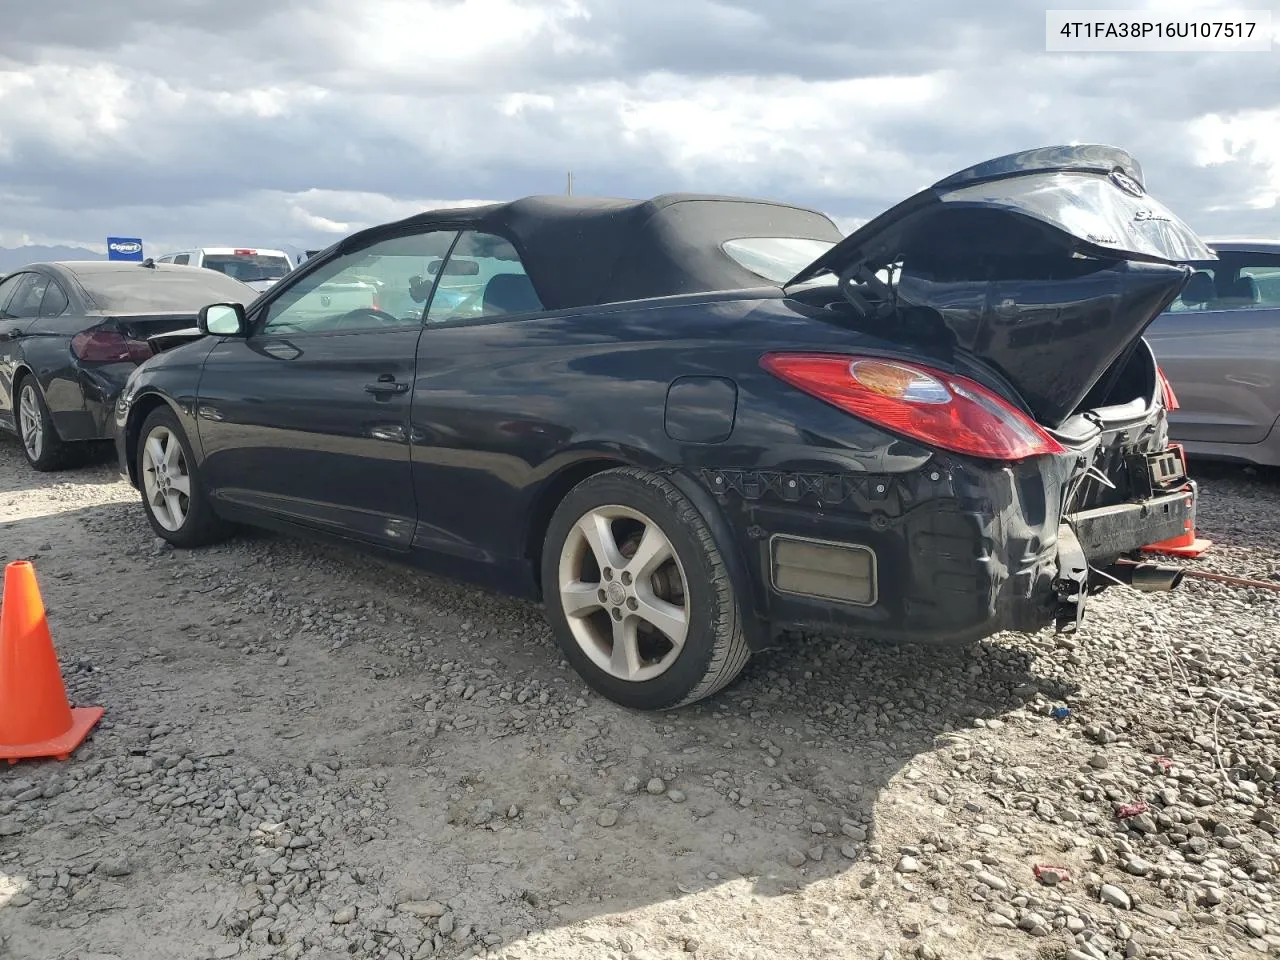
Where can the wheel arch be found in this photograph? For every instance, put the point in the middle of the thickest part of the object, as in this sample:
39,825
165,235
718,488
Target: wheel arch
548,497
141,408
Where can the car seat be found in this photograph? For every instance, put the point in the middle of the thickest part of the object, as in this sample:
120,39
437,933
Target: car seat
510,293
1199,289
1245,290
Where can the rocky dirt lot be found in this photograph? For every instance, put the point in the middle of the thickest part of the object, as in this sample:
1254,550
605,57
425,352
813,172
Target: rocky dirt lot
307,754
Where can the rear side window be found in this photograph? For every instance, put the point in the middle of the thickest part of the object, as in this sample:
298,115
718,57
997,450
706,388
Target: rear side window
182,258
483,277
138,289
7,288
776,258
55,301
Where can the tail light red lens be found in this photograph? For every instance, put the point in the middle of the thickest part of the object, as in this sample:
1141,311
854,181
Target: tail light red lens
1166,391
935,408
108,346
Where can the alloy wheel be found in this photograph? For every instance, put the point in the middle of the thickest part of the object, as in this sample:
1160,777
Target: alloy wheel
623,592
31,423
166,479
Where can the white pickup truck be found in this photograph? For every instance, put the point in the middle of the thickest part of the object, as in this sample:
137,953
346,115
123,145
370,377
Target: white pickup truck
253,266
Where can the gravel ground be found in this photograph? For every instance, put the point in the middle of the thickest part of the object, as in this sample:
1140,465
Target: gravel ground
308,754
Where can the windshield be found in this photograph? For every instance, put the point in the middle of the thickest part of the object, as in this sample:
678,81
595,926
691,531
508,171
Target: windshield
776,258
247,267
133,288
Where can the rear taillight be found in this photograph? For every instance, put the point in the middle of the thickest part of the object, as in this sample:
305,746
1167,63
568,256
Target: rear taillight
108,346
939,409
1166,391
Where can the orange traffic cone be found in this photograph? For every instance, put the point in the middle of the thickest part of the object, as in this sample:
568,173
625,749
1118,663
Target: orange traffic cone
35,718
1186,545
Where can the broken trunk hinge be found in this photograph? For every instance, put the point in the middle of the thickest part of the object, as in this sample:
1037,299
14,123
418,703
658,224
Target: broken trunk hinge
860,273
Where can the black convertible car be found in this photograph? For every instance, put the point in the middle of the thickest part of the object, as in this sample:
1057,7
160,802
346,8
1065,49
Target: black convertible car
691,423
72,332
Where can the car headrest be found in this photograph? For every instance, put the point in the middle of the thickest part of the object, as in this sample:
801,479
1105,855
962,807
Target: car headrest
1199,289
510,293
1245,288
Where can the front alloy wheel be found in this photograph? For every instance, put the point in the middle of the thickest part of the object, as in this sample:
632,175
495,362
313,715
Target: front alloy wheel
175,501
166,481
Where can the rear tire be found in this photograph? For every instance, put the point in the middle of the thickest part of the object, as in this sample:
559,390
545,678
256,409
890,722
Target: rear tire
41,445
177,506
638,593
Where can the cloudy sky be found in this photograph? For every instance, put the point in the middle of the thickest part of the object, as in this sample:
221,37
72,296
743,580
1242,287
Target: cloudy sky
290,122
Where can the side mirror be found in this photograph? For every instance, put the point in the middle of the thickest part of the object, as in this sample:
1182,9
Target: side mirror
223,320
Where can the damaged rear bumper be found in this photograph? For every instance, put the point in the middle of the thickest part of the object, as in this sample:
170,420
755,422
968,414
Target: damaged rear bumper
950,553
1090,541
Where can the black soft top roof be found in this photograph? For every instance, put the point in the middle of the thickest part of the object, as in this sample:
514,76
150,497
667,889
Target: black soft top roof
581,251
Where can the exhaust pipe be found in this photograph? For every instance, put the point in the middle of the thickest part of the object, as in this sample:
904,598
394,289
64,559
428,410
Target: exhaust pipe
1148,577
1156,577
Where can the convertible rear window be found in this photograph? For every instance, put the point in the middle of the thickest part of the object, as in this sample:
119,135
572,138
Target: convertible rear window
139,289
776,258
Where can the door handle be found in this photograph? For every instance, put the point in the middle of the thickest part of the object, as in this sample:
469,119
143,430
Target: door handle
385,387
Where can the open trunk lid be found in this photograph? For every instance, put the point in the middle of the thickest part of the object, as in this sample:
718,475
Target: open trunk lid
160,331
1047,264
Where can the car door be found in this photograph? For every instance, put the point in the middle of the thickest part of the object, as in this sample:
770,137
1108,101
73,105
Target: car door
307,418
11,330
1219,345
474,432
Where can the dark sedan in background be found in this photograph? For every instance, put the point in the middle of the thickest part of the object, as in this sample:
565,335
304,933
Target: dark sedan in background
1219,344
70,335
691,423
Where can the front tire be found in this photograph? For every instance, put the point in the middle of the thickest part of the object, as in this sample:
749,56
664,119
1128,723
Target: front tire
638,593
41,445
173,496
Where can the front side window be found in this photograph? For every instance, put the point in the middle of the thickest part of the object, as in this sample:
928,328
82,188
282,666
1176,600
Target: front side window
1235,281
776,258
377,287
26,299
182,259
7,289
484,277
1261,281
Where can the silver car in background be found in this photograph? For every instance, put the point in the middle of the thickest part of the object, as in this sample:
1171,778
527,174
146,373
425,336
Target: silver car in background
1219,347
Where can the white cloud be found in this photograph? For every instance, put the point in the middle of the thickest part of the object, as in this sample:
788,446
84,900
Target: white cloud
1247,137
290,123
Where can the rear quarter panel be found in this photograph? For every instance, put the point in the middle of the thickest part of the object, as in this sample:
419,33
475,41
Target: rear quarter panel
501,408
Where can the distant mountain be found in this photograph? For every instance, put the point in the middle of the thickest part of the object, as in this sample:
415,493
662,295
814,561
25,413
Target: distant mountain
13,257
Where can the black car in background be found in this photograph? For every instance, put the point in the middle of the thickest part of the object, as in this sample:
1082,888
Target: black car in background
690,423
70,335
